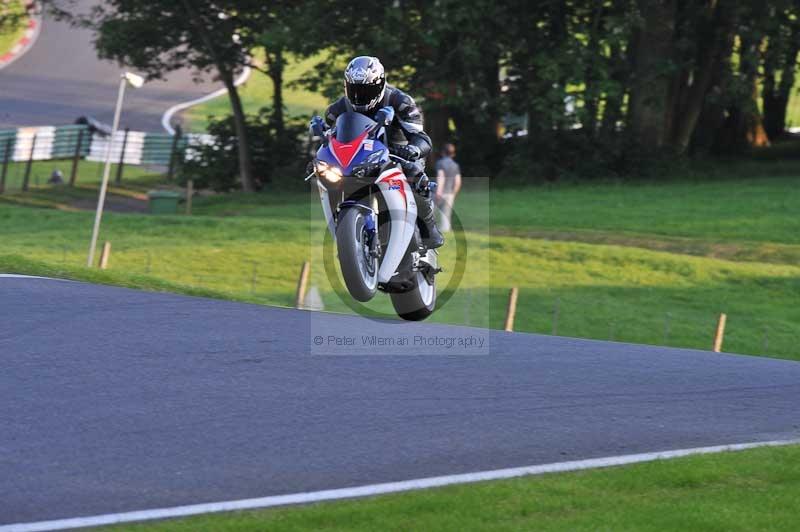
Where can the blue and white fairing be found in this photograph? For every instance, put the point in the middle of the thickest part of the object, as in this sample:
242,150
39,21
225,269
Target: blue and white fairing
351,145
354,145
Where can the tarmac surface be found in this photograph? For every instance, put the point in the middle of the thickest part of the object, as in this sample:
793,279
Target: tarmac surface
114,400
61,79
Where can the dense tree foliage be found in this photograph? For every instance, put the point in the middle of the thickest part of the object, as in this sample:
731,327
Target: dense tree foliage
593,84
564,86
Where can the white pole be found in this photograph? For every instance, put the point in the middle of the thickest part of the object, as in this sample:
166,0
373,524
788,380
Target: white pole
106,171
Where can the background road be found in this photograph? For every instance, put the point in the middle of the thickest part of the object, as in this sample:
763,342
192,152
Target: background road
61,79
116,400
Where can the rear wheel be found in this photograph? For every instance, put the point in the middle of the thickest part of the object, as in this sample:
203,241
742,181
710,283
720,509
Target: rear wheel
359,268
419,302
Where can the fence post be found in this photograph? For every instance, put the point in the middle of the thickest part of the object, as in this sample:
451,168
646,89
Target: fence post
555,316
511,311
6,157
720,334
121,164
254,278
105,255
73,176
27,178
302,285
189,194
173,153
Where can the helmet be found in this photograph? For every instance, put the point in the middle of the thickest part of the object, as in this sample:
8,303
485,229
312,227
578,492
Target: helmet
364,83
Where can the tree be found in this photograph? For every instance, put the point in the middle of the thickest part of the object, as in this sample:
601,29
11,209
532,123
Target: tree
652,52
780,65
12,14
159,36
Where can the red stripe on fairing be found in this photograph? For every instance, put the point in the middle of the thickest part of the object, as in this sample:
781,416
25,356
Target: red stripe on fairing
403,183
345,151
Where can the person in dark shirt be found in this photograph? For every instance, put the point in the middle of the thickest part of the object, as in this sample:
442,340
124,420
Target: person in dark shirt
448,183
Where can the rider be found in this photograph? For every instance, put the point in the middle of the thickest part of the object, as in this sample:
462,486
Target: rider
366,91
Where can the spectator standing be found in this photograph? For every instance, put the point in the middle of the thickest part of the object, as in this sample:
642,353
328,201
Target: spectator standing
448,183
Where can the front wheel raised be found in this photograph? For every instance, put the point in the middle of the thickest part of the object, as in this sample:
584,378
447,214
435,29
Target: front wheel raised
359,268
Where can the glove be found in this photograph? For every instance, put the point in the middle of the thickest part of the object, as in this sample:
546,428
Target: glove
317,126
409,152
385,115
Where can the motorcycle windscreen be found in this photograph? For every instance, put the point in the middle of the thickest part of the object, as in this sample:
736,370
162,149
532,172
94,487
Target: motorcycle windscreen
349,126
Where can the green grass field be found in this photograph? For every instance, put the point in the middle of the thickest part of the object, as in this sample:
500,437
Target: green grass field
89,172
647,263
10,36
748,490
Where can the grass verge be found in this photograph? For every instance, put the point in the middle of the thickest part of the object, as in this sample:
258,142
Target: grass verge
10,36
635,264
748,490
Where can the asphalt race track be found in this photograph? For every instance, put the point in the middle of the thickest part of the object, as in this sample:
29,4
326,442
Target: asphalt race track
60,79
116,400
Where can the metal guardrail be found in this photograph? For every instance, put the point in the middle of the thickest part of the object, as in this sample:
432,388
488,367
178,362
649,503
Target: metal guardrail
82,142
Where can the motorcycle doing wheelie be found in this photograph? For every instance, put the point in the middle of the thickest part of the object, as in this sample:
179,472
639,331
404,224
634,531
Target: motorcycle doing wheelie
371,213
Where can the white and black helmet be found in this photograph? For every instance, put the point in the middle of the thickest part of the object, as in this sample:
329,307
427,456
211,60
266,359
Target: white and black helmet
364,83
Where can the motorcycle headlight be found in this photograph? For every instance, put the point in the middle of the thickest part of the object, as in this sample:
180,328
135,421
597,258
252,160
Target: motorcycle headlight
331,174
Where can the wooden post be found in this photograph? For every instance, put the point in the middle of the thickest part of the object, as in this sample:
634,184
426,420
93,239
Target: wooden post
121,164
173,153
302,285
189,194
511,311
555,315
104,255
6,157
254,278
27,178
720,334
73,176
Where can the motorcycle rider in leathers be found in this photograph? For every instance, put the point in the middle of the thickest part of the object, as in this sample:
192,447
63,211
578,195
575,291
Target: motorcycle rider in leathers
366,92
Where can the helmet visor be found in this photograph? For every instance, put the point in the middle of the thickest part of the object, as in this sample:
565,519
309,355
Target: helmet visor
362,93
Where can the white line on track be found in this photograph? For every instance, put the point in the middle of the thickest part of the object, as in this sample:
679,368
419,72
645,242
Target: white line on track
376,489
167,117
17,276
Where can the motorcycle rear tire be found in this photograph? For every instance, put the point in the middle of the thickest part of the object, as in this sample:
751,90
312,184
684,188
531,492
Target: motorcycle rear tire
419,302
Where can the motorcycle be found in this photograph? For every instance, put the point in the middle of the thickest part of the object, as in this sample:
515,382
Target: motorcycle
371,213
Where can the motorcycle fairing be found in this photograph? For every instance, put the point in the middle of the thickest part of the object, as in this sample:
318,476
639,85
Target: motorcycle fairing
399,200
326,208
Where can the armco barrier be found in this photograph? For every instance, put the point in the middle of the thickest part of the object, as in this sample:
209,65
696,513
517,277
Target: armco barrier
82,142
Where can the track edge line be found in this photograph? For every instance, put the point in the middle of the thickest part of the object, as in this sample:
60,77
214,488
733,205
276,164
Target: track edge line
379,489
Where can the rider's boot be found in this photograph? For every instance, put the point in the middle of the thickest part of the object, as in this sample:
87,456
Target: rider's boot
431,237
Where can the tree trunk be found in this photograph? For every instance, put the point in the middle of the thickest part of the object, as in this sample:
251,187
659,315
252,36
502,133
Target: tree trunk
647,118
240,126
776,94
436,125
615,100
591,94
715,49
746,128
275,68
226,75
